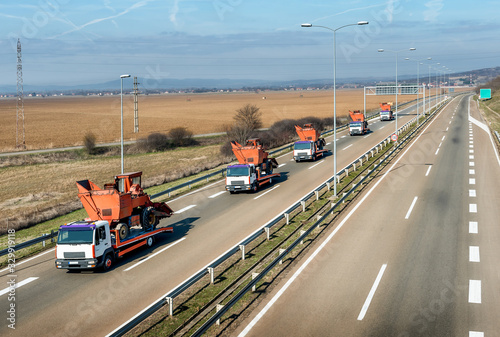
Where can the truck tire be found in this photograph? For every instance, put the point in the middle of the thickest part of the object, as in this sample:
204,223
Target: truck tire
122,231
254,188
269,167
148,219
108,262
150,241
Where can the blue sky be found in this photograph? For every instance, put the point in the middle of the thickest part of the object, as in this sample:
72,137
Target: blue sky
69,42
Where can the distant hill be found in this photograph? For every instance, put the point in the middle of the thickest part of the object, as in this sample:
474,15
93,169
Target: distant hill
479,76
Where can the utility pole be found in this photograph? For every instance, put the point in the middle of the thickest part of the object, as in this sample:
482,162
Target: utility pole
136,108
20,139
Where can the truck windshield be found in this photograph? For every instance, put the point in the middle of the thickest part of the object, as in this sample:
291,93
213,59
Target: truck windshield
302,146
384,112
236,171
71,236
355,124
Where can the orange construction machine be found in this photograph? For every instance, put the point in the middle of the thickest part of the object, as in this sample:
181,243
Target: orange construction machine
123,204
310,146
358,126
386,111
255,168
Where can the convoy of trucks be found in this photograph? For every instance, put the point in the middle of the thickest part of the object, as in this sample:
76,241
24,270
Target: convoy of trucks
386,111
254,167
358,126
310,146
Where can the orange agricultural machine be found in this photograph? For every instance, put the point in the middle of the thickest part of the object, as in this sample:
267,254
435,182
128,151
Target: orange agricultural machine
358,126
255,168
310,146
386,111
123,204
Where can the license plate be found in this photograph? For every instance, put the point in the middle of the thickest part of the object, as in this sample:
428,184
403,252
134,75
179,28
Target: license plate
73,262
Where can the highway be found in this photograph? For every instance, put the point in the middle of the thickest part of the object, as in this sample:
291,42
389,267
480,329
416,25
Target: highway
415,255
207,223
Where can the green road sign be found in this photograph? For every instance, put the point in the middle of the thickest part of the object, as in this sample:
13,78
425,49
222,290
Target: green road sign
485,94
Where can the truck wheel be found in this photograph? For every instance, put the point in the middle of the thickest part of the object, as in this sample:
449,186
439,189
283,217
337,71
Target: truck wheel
254,188
122,230
150,241
269,167
149,219
108,262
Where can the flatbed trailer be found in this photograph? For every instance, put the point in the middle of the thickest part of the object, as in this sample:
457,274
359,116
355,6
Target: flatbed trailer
91,244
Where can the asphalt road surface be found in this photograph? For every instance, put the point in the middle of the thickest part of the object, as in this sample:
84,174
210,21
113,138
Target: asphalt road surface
207,223
416,255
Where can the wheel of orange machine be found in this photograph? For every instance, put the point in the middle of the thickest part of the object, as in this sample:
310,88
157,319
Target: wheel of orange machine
122,230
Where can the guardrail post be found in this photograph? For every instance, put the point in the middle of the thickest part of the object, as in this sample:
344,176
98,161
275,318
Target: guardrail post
211,272
281,251
254,275
354,166
287,216
317,195
266,229
43,242
218,307
52,236
346,172
328,186
303,203
242,248
360,161
170,302
302,232
343,201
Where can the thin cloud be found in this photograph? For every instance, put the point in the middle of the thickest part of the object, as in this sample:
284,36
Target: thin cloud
112,17
350,10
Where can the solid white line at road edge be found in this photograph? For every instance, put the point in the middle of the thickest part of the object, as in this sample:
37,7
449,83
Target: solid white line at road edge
364,309
411,208
324,243
17,285
158,252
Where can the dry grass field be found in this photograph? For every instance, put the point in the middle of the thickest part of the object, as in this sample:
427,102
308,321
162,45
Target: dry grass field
63,121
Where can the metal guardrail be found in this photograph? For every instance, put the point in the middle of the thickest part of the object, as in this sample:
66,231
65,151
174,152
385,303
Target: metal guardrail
170,296
25,244
498,136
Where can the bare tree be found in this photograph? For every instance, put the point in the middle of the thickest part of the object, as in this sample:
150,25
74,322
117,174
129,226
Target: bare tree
248,117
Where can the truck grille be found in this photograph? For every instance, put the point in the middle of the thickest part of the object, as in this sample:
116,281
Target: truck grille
74,255
302,154
237,182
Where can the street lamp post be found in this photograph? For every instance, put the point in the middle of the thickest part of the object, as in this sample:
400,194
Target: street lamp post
397,89
121,98
418,84
360,23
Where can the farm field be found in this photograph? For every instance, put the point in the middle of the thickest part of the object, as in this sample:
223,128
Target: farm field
53,122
